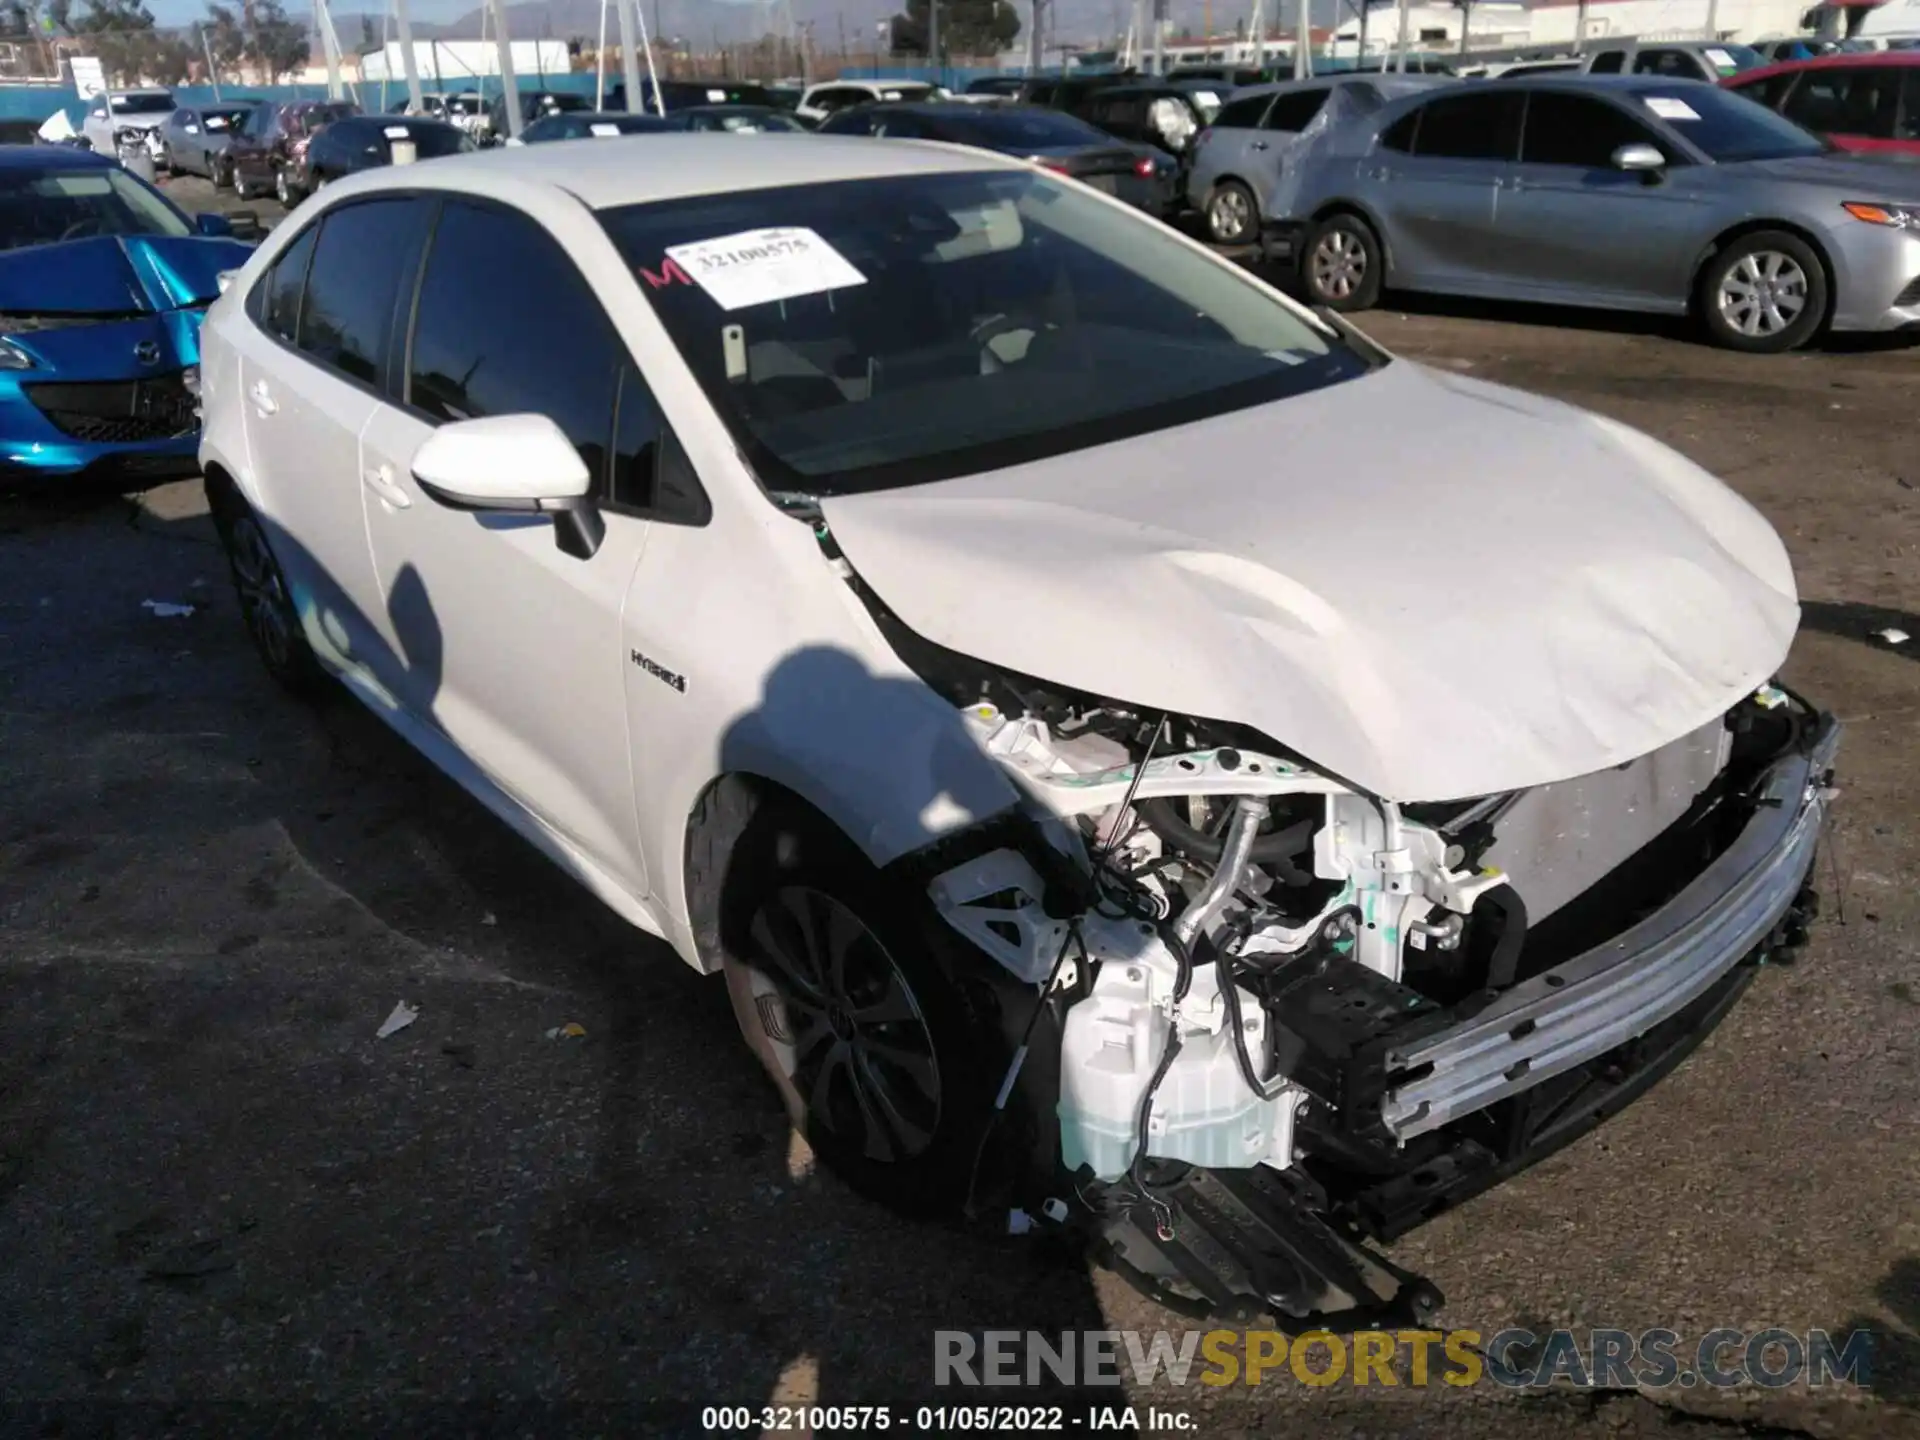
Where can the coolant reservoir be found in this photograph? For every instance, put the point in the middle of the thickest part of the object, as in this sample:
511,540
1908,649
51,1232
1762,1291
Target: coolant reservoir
1203,1111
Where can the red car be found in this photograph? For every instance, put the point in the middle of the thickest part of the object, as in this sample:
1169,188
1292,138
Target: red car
1868,101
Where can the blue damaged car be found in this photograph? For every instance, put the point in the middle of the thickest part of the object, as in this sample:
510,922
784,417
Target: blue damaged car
103,282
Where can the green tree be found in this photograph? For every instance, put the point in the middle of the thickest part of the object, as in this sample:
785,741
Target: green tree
131,47
967,27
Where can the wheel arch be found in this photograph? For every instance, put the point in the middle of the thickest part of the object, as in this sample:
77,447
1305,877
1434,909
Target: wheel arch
1733,233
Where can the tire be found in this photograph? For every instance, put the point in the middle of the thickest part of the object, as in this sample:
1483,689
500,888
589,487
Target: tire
1764,293
1341,264
890,1071
1232,214
284,190
266,601
219,173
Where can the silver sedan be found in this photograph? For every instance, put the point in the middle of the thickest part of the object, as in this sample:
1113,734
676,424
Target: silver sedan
1630,194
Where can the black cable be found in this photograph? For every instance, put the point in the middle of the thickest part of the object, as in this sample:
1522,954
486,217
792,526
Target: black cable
1275,849
1230,992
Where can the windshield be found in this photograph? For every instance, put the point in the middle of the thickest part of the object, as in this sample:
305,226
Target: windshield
1728,126
225,119
749,121
143,104
872,333
61,205
1018,131
1732,59
430,139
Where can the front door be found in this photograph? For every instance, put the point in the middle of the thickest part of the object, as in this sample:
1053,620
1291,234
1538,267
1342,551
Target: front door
1573,227
513,649
311,365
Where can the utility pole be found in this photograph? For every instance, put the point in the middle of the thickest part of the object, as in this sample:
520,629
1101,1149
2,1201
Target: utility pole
1360,56
1713,13
213,75
630,57
330,45
646,47
1400,45
1580,28
600,63
933,38
509,86
1036,39
1159,37
1303,42
405,27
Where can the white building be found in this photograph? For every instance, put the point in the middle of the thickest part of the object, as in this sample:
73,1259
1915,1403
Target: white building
451,64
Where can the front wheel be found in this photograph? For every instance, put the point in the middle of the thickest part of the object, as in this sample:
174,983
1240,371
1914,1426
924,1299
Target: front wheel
1340,264
1765,293
284,190
1233,216
855,997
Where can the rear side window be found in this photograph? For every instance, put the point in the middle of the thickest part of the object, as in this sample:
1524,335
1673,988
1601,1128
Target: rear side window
542,345
1294,111
279,294
1564,129
1607,62
1771,92
1242,114
1400,135
358,261
1479,126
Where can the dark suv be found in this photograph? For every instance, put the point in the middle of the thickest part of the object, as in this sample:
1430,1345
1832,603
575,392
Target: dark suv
269,152
534,105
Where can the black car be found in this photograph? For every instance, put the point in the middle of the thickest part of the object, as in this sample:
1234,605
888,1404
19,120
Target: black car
534,104
1166,114
19,132
366,142
1007,85
1069,92
590,125
735,118
1136,174
682,94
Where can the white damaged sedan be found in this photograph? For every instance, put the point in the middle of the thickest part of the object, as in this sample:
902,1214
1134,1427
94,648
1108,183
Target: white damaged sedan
1143,759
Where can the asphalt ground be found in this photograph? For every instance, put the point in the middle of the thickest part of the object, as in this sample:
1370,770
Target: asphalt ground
225,1207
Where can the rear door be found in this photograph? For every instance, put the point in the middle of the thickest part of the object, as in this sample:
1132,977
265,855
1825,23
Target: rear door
1227,148
1573,227
513,649
1437,201
312,365
1293,111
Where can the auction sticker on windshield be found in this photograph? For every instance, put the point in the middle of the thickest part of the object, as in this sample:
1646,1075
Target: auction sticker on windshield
756,267
1670,109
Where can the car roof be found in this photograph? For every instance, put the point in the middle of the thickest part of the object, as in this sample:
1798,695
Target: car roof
53,157
1844,60
635,170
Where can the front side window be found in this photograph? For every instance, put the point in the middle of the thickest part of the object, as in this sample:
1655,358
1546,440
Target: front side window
1847,102
1677,64
358,261
1477,126
51,206
542,345
1565,129
1294,111
1607,62
872,333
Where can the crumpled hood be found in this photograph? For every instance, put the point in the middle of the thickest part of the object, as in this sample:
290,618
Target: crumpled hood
1430,586
116,274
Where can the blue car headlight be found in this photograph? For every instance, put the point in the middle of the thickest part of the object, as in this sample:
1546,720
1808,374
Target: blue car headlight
12,357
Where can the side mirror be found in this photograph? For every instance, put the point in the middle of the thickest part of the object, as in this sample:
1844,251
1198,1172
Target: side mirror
513,463
1642,158
209,223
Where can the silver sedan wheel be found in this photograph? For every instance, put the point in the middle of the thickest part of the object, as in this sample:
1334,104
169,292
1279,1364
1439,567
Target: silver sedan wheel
1229,215
1763,293
845,1026
1338,264
264,603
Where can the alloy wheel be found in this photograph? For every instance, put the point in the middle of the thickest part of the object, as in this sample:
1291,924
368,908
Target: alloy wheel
1762,293
1230,216
845,1025
1338,264
281,189
265,606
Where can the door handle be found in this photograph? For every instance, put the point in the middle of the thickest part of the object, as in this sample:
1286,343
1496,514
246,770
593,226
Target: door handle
1259,145
380,482
263,400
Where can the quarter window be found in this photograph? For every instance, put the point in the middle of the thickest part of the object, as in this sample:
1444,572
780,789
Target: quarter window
353,281
280,292
542,345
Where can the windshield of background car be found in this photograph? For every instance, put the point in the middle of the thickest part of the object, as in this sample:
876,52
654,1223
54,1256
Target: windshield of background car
61,205
556,103
1018,131
430,139
143,105
1726,124
1732,59
305,122
221,121
866,334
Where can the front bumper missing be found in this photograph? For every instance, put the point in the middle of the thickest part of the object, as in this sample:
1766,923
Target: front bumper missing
1598,1001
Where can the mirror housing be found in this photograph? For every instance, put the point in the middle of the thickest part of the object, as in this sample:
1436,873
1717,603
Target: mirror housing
1642,159
209,223
513,464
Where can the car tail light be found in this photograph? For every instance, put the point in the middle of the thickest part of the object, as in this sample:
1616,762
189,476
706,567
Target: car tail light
1143,167
1053,165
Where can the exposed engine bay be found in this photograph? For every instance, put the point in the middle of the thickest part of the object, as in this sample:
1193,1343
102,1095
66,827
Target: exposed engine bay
1238,958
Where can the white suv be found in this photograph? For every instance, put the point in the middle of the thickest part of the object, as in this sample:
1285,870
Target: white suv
1141,758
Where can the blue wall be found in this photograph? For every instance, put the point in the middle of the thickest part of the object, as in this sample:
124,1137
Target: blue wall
37,102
